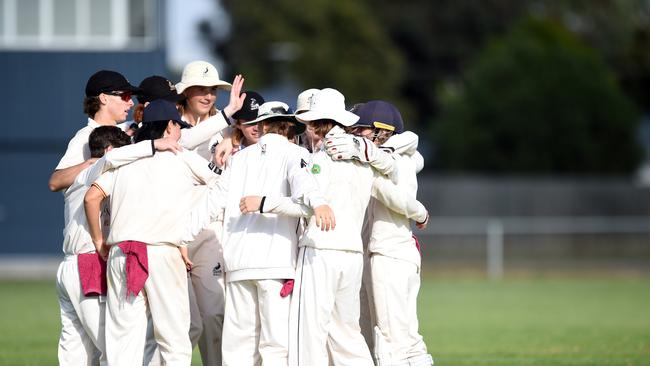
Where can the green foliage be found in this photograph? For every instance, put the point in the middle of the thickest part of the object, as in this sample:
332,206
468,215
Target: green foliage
319,43
538,101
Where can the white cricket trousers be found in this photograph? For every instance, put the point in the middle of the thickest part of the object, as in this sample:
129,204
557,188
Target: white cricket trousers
325,310
256,324
164,297
367,308
207,293
395,286
82,319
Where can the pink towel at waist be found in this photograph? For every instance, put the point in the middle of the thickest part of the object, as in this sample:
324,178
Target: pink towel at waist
137,265
92,274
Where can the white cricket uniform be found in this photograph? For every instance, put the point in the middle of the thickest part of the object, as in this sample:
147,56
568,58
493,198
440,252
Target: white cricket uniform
325,308
395,274
78,151
206,279
82,318
149,201
405,143
260,250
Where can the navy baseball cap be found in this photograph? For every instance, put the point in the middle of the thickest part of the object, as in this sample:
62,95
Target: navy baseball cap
252,103
163,110
105,81
157,87
379,114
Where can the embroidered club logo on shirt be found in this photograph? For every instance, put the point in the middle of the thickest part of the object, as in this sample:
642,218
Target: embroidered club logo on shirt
216,271
315,169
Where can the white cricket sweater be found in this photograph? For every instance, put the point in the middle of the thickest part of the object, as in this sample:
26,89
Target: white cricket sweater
76,238
264,246
347,186
388,232
150,198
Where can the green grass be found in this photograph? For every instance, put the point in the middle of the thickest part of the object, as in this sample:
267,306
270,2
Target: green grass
464,322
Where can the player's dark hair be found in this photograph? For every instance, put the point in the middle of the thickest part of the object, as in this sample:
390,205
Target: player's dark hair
91,106
151,130
105,136
281,127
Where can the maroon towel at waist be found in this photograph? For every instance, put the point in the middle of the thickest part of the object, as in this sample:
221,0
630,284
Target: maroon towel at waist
287,288
137,265
92,274
417,243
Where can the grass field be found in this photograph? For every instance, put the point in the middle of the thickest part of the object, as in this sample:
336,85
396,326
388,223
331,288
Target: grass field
465,322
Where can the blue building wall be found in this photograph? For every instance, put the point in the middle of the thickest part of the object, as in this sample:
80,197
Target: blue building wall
42,95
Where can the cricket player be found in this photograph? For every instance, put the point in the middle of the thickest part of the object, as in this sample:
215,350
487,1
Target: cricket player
325,308
149,200
200,83
260,250
395,260
82,317
107,103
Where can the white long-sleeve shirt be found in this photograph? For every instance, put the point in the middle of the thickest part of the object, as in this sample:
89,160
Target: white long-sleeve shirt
388,232
348,187
150,198
264,246
76,238
78,151
203,135
191,138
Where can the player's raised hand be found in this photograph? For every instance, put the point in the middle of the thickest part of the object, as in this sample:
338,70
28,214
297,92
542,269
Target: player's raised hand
325,219
236,98
250,204
167,144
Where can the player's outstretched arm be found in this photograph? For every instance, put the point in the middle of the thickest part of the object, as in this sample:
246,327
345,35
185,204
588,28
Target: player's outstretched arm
396,199
350,147
323,214
63,178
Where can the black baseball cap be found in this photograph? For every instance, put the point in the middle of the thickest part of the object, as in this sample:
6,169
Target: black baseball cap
157,87
252,103
379,114
105,81
163,110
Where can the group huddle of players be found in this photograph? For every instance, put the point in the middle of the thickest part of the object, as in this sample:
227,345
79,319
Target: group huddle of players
261,234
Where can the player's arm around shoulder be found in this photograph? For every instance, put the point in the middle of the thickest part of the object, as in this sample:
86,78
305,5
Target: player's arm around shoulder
200,169
399,198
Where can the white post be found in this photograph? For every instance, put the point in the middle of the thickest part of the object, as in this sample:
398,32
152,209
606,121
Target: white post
495,249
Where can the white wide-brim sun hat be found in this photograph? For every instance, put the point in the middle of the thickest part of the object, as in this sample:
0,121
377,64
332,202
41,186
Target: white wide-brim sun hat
304,100
201,73
328,104
277,111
